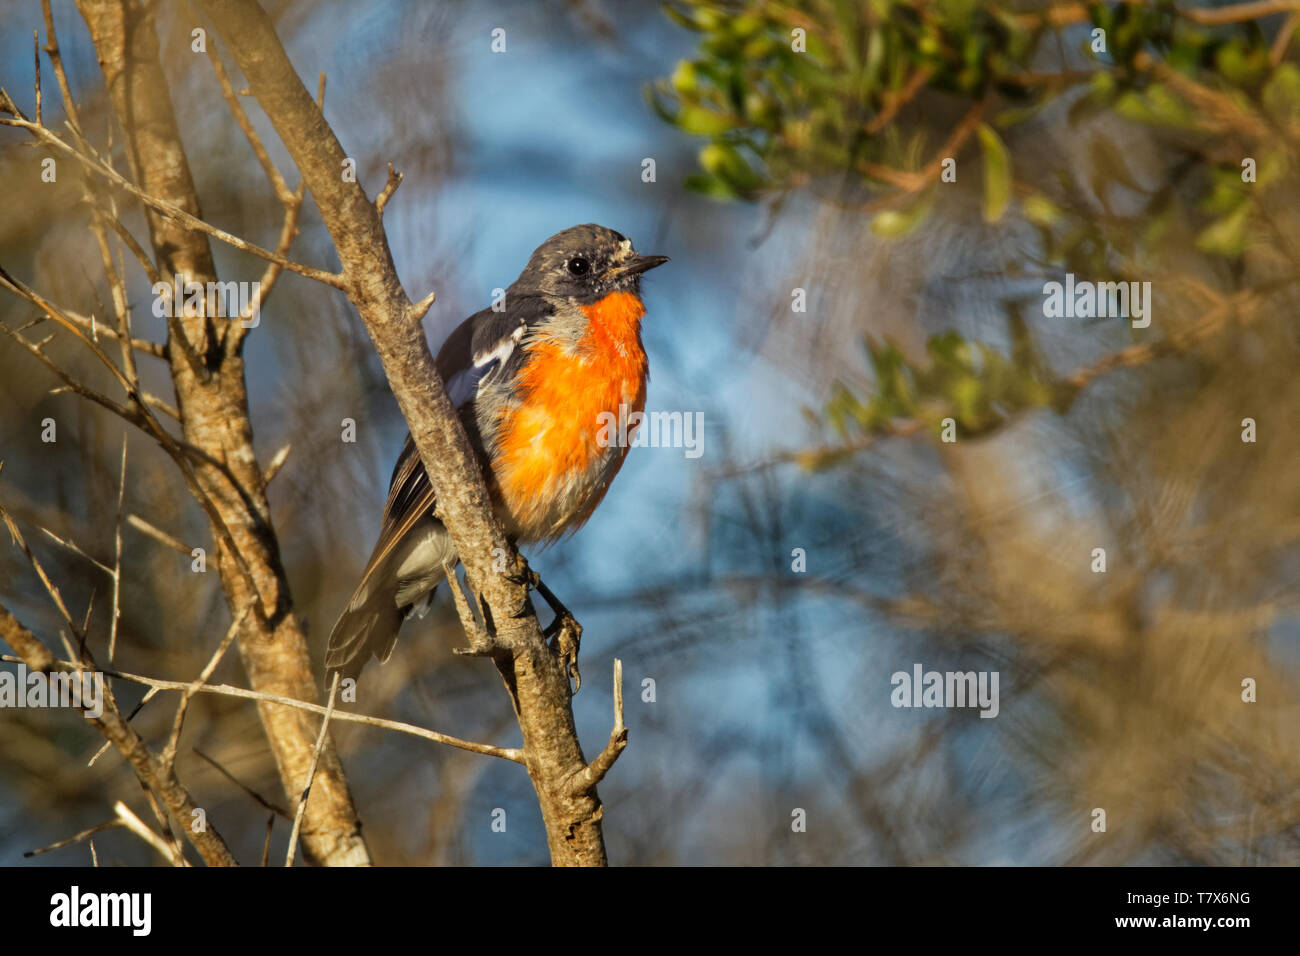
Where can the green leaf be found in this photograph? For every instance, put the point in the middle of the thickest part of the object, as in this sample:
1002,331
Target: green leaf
702,122
1040,210
685,79
728,165
997,173
1227,237
1282,94
893,223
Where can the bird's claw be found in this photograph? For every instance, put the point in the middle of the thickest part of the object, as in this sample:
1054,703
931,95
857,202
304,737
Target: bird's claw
565,635
523,574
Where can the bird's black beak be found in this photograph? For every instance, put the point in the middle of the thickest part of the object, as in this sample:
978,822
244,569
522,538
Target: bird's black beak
639,264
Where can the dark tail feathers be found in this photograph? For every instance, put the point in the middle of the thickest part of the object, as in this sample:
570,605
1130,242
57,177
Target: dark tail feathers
368,625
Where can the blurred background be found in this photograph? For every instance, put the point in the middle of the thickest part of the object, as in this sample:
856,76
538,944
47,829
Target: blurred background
753,689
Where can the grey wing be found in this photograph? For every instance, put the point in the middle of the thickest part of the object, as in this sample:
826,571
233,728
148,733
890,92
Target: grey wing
483,346
486,344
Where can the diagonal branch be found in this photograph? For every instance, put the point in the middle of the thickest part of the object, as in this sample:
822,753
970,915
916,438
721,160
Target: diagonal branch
43,134
539,686
148,768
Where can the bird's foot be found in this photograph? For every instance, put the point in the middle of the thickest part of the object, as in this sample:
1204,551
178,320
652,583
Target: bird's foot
565,636
521,573
481,642
564,633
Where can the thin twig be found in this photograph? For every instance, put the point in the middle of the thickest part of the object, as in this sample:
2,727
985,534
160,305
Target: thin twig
145,833
311,771
168,209
281,188
267,804
595,771
161,816
1283,39
60,317
266,844
36,59
155,402
180,804
276,463
513,754
169,751
74,548
49,585
390,187
117,557
89,324
911,182
84,834
153,531
137,250
52,51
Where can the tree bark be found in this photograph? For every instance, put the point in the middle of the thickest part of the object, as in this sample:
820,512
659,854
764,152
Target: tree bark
539,688
208,374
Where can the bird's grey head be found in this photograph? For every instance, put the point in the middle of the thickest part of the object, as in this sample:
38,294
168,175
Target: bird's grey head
585,263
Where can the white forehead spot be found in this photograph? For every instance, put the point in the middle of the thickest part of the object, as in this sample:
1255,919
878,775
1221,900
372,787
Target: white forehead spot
626,245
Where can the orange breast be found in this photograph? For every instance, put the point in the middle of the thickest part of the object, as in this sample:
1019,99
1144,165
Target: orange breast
550,458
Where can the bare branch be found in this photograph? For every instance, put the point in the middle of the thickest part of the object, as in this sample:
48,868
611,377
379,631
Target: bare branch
311,773
390,187
276,463
117,556
276,811
538,685
88,324
153,531
216,455
36,60
52,51
169,751
1238,12
513,754
281,188
50,588
142,257
74,548
83,835
595,771
170,210
179,804
140,829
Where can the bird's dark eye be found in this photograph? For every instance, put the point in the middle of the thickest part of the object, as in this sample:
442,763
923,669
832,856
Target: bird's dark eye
579,266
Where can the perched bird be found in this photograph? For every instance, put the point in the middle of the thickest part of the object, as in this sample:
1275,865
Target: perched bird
531,381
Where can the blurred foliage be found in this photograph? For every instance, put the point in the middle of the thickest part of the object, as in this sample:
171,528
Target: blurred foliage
975,385
842,97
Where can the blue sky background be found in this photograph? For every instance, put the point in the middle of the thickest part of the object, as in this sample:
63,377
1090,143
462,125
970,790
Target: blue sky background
766,700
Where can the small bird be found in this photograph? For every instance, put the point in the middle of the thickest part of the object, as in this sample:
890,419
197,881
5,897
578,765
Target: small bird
532,379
